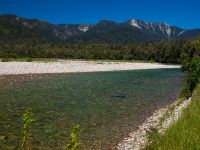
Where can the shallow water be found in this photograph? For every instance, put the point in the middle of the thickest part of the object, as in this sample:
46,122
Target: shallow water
107,105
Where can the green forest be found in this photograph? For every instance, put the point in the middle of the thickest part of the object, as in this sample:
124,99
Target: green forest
163,51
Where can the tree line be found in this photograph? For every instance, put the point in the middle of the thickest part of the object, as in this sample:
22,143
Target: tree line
163,52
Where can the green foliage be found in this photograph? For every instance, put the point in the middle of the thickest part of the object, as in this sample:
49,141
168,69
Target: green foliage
160,52
185,60
193,73
185,91
74,143
163,52
190,59
28,121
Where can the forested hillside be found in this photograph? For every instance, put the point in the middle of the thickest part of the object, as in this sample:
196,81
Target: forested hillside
132,31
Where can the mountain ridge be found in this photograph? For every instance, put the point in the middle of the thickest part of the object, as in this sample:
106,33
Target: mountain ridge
105,31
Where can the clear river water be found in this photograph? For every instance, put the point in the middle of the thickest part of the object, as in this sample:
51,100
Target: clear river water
106,105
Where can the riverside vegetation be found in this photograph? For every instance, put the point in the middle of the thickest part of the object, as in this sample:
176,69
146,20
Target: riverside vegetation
163,52
184,134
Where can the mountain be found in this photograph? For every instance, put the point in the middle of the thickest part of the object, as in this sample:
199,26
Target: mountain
111,32
45,29
131,31
163,30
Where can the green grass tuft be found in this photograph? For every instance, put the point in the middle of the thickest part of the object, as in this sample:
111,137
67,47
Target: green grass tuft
74,143
27,59
183,135
28,121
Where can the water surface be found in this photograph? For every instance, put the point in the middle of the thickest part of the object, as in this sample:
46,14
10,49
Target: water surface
107,105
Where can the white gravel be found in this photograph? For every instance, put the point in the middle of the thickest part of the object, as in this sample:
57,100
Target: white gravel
138,139
7,68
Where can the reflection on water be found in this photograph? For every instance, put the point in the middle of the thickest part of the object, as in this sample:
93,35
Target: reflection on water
107,105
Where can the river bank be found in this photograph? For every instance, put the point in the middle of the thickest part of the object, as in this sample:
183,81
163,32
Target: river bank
8,68
158,122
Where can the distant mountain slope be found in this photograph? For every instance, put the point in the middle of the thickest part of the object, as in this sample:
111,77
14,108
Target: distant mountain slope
13,34
188,34
131,31
47,30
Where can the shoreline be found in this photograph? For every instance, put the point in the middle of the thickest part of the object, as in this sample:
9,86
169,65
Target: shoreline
159,120
68,66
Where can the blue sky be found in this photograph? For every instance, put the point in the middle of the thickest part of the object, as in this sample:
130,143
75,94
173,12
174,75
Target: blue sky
183,13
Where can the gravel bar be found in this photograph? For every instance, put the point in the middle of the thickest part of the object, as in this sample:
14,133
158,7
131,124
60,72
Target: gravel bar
8,68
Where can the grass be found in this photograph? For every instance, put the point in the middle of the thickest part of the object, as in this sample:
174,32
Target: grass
170,110
56,59
28,59
183,135
129,61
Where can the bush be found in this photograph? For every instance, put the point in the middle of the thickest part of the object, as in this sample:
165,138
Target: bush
193,73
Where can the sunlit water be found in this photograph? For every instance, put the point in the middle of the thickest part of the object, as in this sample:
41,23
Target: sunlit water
107,105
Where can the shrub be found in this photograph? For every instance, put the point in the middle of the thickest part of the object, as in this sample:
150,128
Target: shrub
193,73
